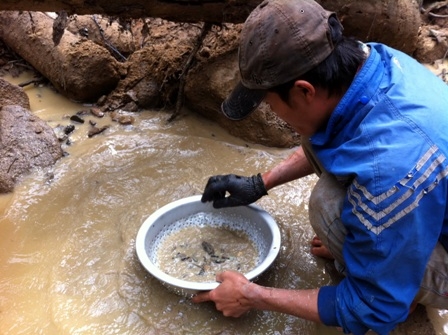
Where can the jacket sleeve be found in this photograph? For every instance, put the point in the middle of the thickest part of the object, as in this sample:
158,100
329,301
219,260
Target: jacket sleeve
390,238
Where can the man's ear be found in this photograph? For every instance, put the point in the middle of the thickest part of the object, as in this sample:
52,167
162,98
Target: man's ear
306,88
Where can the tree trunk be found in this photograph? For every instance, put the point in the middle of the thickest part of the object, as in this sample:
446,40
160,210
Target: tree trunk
78,68
232,11
379,20
392,22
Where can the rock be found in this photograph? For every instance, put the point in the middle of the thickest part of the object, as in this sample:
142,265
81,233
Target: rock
95,131
122,118
76,118
97,112
26,142
69,129
12,95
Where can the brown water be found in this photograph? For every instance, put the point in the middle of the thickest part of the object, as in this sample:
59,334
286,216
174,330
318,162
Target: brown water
67,258
197,254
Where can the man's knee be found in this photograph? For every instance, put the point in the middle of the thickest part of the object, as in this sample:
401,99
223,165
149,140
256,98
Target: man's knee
325,208
434,287
326,200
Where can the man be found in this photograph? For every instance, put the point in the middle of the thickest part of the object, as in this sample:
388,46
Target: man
373,123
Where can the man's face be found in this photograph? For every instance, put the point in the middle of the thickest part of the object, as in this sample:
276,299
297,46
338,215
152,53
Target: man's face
305,111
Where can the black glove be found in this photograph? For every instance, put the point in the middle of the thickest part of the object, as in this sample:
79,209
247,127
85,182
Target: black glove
243,190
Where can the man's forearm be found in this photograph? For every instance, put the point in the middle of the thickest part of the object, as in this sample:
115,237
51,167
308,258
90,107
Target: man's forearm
300,303
294,167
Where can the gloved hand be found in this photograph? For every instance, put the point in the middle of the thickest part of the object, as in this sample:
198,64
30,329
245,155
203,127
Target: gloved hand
243,190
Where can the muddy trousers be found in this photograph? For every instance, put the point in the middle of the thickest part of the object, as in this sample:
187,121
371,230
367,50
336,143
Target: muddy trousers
325,208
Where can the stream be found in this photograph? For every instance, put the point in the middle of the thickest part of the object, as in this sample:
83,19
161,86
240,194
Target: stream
67,234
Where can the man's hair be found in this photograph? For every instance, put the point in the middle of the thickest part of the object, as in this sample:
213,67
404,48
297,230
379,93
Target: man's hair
337,71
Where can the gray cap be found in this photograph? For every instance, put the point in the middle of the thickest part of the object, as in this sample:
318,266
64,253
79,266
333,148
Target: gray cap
280,41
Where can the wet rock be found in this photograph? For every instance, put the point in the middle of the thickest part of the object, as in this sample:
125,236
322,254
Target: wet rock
101,100
122,118
131,107
77,118
13,95
26,142
132,95
95,131
62,132
97,112
147,93
69,129
83,112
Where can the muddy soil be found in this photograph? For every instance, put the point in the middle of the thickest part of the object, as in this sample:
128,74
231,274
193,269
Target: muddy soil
167,65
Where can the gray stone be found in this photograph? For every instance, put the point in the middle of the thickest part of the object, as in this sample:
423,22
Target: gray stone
26,142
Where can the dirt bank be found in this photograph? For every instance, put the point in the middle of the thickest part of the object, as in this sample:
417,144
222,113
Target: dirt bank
129,65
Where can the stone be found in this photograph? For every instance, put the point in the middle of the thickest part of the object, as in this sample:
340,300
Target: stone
26,142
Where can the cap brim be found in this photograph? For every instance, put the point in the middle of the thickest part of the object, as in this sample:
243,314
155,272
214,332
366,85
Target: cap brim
242,102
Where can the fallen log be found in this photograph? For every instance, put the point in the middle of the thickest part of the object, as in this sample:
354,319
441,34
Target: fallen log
214,11
236,11
77,67
393,22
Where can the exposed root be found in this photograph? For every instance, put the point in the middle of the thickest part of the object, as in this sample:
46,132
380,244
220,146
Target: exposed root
182,78
429,11
107,43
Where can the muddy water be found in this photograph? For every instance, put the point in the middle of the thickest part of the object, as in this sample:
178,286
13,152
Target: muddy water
67,234
197,254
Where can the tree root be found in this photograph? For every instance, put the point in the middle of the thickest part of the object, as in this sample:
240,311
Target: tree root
434,6
183,76
107,43
32,81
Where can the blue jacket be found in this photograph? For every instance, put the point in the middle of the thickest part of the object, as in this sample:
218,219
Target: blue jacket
388,137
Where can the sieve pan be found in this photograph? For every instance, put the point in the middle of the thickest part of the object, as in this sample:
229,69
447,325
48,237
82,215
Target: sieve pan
253,220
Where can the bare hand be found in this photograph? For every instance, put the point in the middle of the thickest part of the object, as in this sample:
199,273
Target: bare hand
229,297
